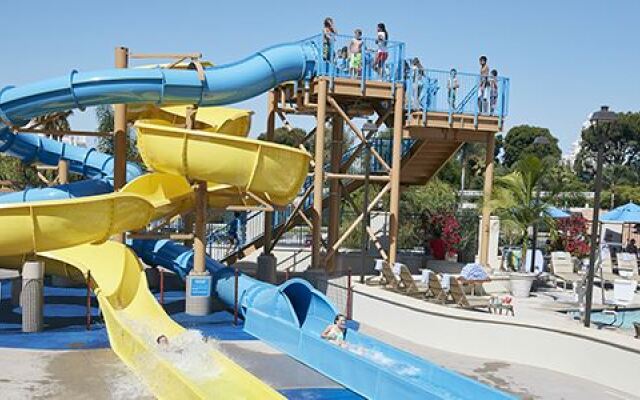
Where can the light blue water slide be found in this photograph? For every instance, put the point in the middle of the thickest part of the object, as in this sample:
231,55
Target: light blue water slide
290,316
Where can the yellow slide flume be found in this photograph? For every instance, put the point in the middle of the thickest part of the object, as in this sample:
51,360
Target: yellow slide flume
28,228
134,319
270,171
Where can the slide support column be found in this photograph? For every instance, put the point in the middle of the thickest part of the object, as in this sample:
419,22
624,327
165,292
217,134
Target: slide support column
318,177
267,262
199,281
334,187
120,135
394,207
486,210
32,297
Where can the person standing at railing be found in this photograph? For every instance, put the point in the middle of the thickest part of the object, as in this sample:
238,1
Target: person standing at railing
482,85
382,38
452,88
342,62
355,54
493,91
417,82
329,33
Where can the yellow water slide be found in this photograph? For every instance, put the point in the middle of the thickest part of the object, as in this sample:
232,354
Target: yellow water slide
72,234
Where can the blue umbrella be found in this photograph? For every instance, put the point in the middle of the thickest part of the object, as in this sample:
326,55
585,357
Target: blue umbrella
628,213
557,213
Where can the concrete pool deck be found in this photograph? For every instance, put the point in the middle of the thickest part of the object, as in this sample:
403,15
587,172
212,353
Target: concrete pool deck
539,336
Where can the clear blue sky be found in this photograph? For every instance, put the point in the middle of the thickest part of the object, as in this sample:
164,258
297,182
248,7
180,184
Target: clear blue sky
564,58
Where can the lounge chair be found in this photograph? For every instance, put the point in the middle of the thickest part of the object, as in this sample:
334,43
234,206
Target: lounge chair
562,266
628,265
606,268
637,326
471,302
390,280
410,286
436,291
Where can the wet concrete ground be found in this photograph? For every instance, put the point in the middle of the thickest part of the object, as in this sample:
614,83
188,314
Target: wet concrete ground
525,382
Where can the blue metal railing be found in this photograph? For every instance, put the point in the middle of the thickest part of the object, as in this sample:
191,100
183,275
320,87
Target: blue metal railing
374,64
460,93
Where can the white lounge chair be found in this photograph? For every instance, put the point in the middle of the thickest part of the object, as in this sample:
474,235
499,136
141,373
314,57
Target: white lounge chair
563,268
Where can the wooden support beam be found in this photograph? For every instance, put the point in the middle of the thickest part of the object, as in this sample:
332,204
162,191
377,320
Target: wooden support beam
370,231
396,163
486,210
380,120
334,185
285,227
318,177
160,236
272,100
373,178
357,221
141,56
61,133
63,172
357,131
120,135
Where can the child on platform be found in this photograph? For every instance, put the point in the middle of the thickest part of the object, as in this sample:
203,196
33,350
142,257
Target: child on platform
355,54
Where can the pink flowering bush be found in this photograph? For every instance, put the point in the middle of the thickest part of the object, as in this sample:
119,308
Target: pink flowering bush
572,236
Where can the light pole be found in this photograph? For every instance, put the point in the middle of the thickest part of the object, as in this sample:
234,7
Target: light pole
538,141
368,130
600,122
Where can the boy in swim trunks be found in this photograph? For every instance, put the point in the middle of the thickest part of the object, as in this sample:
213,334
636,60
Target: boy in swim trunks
355,54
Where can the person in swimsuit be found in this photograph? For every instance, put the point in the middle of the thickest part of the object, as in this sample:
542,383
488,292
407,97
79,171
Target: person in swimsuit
382,54
484,82
355,54
337,331
328,38
493,91
452,88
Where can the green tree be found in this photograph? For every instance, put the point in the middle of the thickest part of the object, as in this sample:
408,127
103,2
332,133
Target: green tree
515,197
621,152
519,143
293,138
104,115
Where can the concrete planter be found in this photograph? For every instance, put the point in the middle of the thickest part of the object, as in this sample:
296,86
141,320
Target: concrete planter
521,283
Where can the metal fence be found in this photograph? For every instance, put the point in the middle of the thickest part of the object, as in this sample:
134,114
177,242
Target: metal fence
375,63
456,92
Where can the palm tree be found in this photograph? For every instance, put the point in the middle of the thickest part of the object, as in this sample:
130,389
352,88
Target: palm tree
516,198
57,121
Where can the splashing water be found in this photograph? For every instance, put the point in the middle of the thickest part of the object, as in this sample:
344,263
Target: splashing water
191,354
380,359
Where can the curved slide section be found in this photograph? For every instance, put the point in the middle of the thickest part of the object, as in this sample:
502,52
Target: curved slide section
271,171
134,319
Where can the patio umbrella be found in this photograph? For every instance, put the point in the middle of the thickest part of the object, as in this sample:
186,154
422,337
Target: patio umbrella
557,213
626,214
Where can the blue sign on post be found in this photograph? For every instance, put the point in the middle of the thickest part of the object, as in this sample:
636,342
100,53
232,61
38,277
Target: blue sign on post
201,286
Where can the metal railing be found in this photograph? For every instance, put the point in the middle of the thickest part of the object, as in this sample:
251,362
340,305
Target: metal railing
456,93
373,63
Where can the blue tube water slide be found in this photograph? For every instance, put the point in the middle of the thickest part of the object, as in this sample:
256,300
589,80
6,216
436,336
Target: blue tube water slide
221,85
290,316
